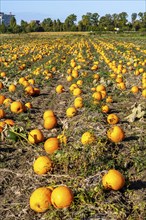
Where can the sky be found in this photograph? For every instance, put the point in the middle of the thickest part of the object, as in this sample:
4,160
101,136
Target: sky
28,10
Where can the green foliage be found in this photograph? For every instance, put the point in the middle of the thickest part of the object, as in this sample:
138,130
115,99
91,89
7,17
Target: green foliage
89,22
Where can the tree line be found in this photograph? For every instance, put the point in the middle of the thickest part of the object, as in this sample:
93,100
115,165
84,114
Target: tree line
89,22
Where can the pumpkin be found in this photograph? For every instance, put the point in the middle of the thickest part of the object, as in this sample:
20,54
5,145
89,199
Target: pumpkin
61,197
16,107
113,179
42,165
112,119
50,122
116,134
71,111
87,138
35,136
40,199
51,145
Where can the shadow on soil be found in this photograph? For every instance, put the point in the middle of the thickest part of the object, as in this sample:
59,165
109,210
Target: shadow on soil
131,138
136,185
8,150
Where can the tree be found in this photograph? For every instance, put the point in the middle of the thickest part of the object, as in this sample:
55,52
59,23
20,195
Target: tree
106,23
23,25
142,17
115,20
136,25
94,19
69,23
47,24
133,17
122,17
80,26
86,21
59,25
3,28
13,22
13,25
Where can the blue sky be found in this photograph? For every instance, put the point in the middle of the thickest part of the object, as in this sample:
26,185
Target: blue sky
31,9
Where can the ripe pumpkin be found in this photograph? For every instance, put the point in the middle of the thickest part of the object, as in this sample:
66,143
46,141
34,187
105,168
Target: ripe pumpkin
103,94
75,73
60,89
40,199
116,134
1,85
48,113
16,107
87,138
105,108
51,145
3,74
2,124
10,122
7,102
12,88
25,83
21,80
31,81
97,95
71,111
109,99
1,129
113,179
96,76
112,119
100,88
69,78
36,91
134,89
29,90
144,93
50,122
61,197
73,86
80,82
42,165
78,103
35,136
2,98
2,113
28,105
77,92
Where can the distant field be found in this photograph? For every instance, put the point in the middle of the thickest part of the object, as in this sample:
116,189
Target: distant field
108,74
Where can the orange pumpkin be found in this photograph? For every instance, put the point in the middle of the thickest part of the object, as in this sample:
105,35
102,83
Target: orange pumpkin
116,134
51,145
42,165
113,179
61,197
2,98
50,122
2,113
112,119
40,199
17,107
35,136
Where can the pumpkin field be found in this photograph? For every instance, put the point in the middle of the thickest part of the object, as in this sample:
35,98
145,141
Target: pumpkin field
72,126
